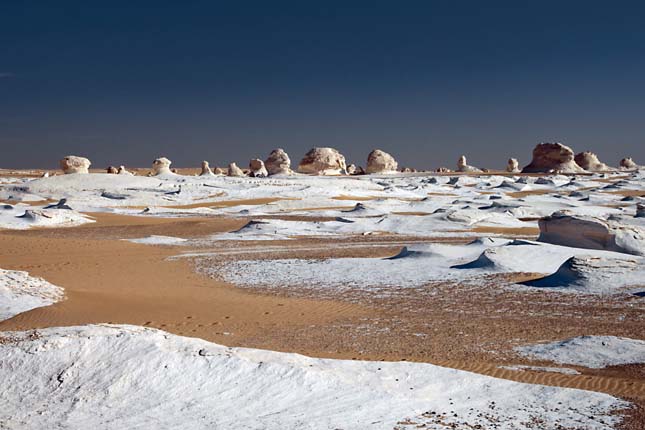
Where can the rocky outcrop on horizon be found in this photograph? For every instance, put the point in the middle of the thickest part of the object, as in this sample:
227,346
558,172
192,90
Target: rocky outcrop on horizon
278,163
206,169
161,166
462,166
123,171
323,161
112,170
379,161
233,170
257,169
75,164
513,166
552,158
590,162
628,164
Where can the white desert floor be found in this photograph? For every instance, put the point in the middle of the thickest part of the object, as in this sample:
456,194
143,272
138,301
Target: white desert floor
122,376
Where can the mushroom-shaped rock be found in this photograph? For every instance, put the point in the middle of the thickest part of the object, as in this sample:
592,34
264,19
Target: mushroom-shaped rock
628,164
589,161
233,170
206,170
112,170
462,166
513,166
257,169
381,162
552,158
75,164
323,161
122,171
161,166
562,228
278,163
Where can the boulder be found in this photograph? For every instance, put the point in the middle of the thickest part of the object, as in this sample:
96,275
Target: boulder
353,169
513,166
381,162
75,164
122,171
578,231
278,163
233,170
628,164
112,170
257,169
323,161
206,169
161,166
443,170
220,171
552,158
408,170
462,166
590,162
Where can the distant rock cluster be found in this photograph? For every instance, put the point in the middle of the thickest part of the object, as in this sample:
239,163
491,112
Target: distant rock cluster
550,158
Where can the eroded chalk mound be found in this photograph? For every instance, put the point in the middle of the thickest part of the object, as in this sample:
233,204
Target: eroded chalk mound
323,161
513,165
381,162
628,164
552,158
278,162
257,169
462,166
589,161
161,166
125,377
562,228
592,274
233,170
75,164
206,169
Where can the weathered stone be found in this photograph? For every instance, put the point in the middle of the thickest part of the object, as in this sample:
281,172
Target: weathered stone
381,162
257,169
323,161
278,163
75,164
590,162
552,158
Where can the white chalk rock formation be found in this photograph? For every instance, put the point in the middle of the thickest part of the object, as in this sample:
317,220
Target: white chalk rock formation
233,170
462,166
75,164
381,162
590,162
278,162
442,170
353,169
122,171
257,169
220,171
323,161
562,228
161,166
552,158
513,166
112,170
206,169
628,164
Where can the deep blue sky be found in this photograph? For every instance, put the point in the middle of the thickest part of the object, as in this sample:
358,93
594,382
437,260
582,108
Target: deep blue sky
126,82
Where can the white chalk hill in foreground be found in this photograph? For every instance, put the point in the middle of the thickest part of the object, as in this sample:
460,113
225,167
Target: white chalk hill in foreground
106,376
